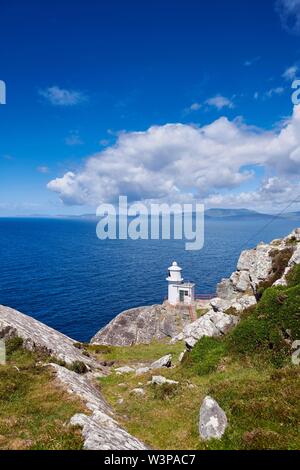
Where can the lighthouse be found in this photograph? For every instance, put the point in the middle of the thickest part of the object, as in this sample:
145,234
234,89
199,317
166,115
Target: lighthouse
179,292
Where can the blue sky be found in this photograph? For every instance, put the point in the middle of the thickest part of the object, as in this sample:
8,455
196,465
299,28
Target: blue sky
163,100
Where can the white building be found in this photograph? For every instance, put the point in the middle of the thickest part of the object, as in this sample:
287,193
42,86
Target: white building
179,292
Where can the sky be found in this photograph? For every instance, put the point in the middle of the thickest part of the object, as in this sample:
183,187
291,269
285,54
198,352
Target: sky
167,101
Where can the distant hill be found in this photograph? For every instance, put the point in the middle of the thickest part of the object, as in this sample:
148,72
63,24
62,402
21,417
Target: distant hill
232,213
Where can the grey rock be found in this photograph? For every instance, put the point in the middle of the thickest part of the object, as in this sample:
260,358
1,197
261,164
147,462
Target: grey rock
212,324
243,282
221,305
225,289
212,420
124,370
177,338
246,260
244,302
181,356
142,325
164,361
80,385
100,431
160,380
37,336
142,370
295,259
138,391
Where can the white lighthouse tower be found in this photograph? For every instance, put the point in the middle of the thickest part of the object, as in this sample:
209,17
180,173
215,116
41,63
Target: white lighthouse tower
178,291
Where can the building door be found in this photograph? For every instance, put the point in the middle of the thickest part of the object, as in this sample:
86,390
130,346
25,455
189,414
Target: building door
181,295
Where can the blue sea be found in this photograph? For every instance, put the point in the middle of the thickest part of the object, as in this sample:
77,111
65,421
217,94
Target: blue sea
59,272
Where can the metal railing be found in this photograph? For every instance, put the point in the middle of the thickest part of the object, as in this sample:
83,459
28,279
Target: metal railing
205,296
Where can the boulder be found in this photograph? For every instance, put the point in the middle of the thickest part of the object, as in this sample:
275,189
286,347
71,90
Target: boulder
164,361
244,302
219,304
212,420
160,380
225,290
181,356
243,282
138,391
212,324
124,370
142,325
142,370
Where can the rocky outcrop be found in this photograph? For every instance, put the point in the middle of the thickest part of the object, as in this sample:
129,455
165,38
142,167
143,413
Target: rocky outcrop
142,325
212,324
255,268
37,336
100,431
212,420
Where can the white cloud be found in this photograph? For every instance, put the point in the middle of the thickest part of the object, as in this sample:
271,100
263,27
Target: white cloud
61,97
273,195
220,102
179,162
274,91
43,169
289,12
249,63
73,139
192,108
290,73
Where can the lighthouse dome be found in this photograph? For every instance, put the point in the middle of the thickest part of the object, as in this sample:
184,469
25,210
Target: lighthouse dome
174,267
174,273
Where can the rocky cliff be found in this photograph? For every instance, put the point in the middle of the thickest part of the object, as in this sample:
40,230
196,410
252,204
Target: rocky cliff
99,429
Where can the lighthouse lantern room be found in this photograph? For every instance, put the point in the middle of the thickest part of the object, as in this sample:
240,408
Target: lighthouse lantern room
179,292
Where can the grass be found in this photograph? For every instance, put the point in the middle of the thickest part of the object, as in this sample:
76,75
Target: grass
139,353
249,372
34,411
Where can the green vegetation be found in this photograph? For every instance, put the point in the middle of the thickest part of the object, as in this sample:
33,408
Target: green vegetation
137,353
33,409
249,372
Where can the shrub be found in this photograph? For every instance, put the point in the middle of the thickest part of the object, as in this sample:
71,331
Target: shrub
293,277
13,344
271,328
165,391
206,355
79,367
